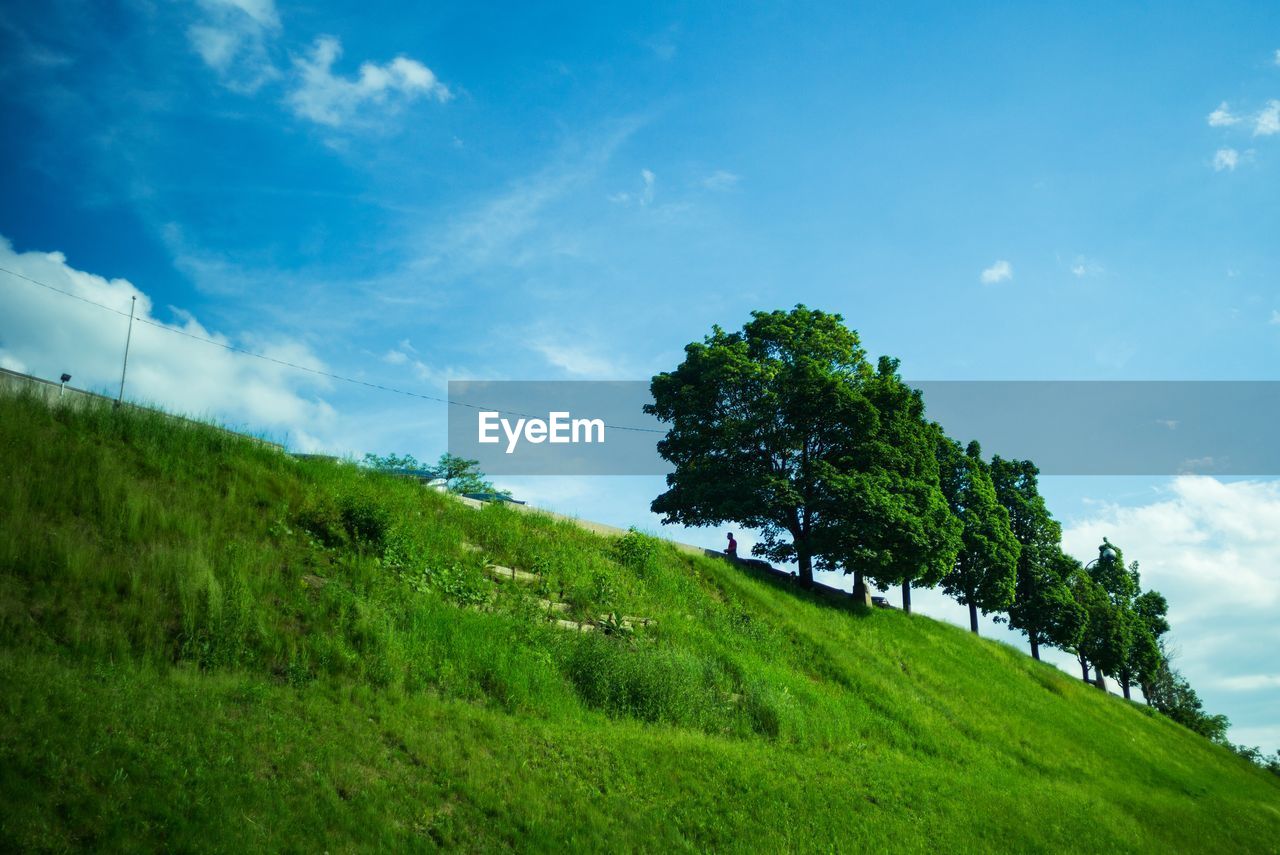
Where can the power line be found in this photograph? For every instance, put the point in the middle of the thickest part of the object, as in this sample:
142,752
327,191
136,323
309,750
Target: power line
294,365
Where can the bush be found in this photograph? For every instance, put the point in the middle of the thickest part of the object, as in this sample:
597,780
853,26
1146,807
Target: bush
355,518
637,552
365,520
654,685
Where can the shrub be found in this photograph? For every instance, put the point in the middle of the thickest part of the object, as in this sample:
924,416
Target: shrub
365,520
637,552
650,684
355,518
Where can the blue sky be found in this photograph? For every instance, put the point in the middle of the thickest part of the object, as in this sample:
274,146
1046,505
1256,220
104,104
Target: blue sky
408,194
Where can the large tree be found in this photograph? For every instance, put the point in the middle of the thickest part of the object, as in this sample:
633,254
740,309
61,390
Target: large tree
1044,606
890,522
986,568
758,421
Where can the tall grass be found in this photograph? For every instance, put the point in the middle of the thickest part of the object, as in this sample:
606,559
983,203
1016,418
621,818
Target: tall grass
160,578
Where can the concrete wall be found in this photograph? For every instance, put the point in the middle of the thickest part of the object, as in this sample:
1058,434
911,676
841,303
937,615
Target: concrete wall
15,383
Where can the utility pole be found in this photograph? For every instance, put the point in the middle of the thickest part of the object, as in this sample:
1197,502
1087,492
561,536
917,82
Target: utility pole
133,304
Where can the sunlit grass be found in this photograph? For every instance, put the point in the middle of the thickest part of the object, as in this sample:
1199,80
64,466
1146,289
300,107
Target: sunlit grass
208,644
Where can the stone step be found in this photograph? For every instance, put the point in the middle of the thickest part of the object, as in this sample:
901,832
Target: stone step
503,574
574,625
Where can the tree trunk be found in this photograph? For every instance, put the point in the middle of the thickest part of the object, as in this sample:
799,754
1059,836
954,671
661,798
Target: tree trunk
1035,646
906,597
973,618
1084,670
1099,680
1125,687
804,563
860,593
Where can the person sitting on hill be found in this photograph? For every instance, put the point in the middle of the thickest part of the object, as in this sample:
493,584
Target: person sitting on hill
732,549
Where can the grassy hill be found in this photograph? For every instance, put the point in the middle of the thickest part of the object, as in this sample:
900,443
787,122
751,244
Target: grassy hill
208,645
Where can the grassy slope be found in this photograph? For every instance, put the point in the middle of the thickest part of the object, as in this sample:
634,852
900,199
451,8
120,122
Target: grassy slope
195,652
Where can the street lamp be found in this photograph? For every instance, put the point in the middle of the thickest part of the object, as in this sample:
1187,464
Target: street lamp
63,387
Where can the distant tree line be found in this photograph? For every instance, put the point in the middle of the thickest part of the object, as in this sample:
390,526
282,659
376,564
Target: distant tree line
787,428
458,474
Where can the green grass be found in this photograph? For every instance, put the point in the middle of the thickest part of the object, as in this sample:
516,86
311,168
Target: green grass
207,645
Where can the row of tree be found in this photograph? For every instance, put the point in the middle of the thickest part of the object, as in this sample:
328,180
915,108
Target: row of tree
787,428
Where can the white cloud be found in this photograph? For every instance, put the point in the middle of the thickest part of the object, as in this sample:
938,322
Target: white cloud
1275,317
720,180
1215,545
1277,57
329,99
578,360
1250,682
1225,158
261,12
233,36
643,196
1083,267
406,354
1001,271
1213,549
45,333
1267,122
1222,116
648,178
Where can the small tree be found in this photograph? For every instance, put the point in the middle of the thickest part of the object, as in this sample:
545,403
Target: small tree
1149,622
459,474
1104,639
1044,605
1171,694
986,569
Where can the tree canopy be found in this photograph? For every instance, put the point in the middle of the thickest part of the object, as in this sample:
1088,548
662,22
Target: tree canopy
459,474
759,420
985,572
1044,606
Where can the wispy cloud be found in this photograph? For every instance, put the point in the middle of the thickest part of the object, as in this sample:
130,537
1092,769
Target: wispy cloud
646,194
1225,158
578,360
1222,116
1250,682
1267,122
663,45
643,196
1001,271
1082,267
233,37
330,99
1275,318
720,180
